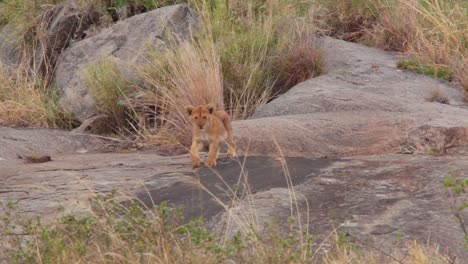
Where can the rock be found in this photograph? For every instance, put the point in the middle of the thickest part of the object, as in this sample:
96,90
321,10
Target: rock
35,159
39,142
124,43
383,230
437,139
69,181
357,109
58,26
256,211
64,24
372,198
9,43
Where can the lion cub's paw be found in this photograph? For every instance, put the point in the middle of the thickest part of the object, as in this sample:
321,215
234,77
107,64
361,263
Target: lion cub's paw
195,164
211,163
231,153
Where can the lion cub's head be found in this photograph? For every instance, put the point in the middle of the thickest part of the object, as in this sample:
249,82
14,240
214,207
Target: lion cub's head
200,115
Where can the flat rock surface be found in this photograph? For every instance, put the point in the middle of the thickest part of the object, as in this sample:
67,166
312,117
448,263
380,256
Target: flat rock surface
43,142
375,198
363,105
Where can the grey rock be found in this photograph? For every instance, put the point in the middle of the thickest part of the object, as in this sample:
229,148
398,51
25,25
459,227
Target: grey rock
363,105
383,230
370,197
124,43
229,261
255,211
9,44
64,23
40,142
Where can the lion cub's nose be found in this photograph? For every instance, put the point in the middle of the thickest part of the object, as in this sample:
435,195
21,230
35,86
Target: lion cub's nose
201,126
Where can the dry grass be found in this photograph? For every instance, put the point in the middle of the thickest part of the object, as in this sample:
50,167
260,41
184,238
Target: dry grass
433,32
441,36
18,10
347,20
299,63
108,87
253,45
396,30
439,97
187,75
24,101
264,48
413,253
238,63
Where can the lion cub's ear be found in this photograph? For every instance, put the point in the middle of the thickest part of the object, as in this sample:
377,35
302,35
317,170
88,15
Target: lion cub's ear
189,109
210,108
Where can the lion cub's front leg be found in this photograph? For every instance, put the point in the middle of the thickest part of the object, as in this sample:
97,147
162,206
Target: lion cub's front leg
194,153
231,146
213,153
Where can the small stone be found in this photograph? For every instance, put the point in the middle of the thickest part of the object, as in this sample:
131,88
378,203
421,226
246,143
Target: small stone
383,230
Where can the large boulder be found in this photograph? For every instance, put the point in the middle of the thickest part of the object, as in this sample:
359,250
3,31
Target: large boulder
56,28
9,53
125,43
363,105
63,24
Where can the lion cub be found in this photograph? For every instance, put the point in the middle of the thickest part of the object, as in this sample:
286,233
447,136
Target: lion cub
210,126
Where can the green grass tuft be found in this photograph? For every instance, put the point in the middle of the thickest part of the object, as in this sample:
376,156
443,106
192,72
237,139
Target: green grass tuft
108,88
433,70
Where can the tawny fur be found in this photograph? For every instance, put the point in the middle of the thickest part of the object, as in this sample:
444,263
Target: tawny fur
213,127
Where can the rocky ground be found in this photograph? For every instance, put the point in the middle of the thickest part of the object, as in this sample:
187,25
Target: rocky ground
363,105
364,151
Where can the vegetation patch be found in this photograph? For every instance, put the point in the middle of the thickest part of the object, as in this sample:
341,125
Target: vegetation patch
433,70
238,63
114,233
24,101
439,97
457,186
433,32
258,49
246,53
108,88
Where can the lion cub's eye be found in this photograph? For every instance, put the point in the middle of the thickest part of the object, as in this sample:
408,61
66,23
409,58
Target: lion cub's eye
204,117
196,117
